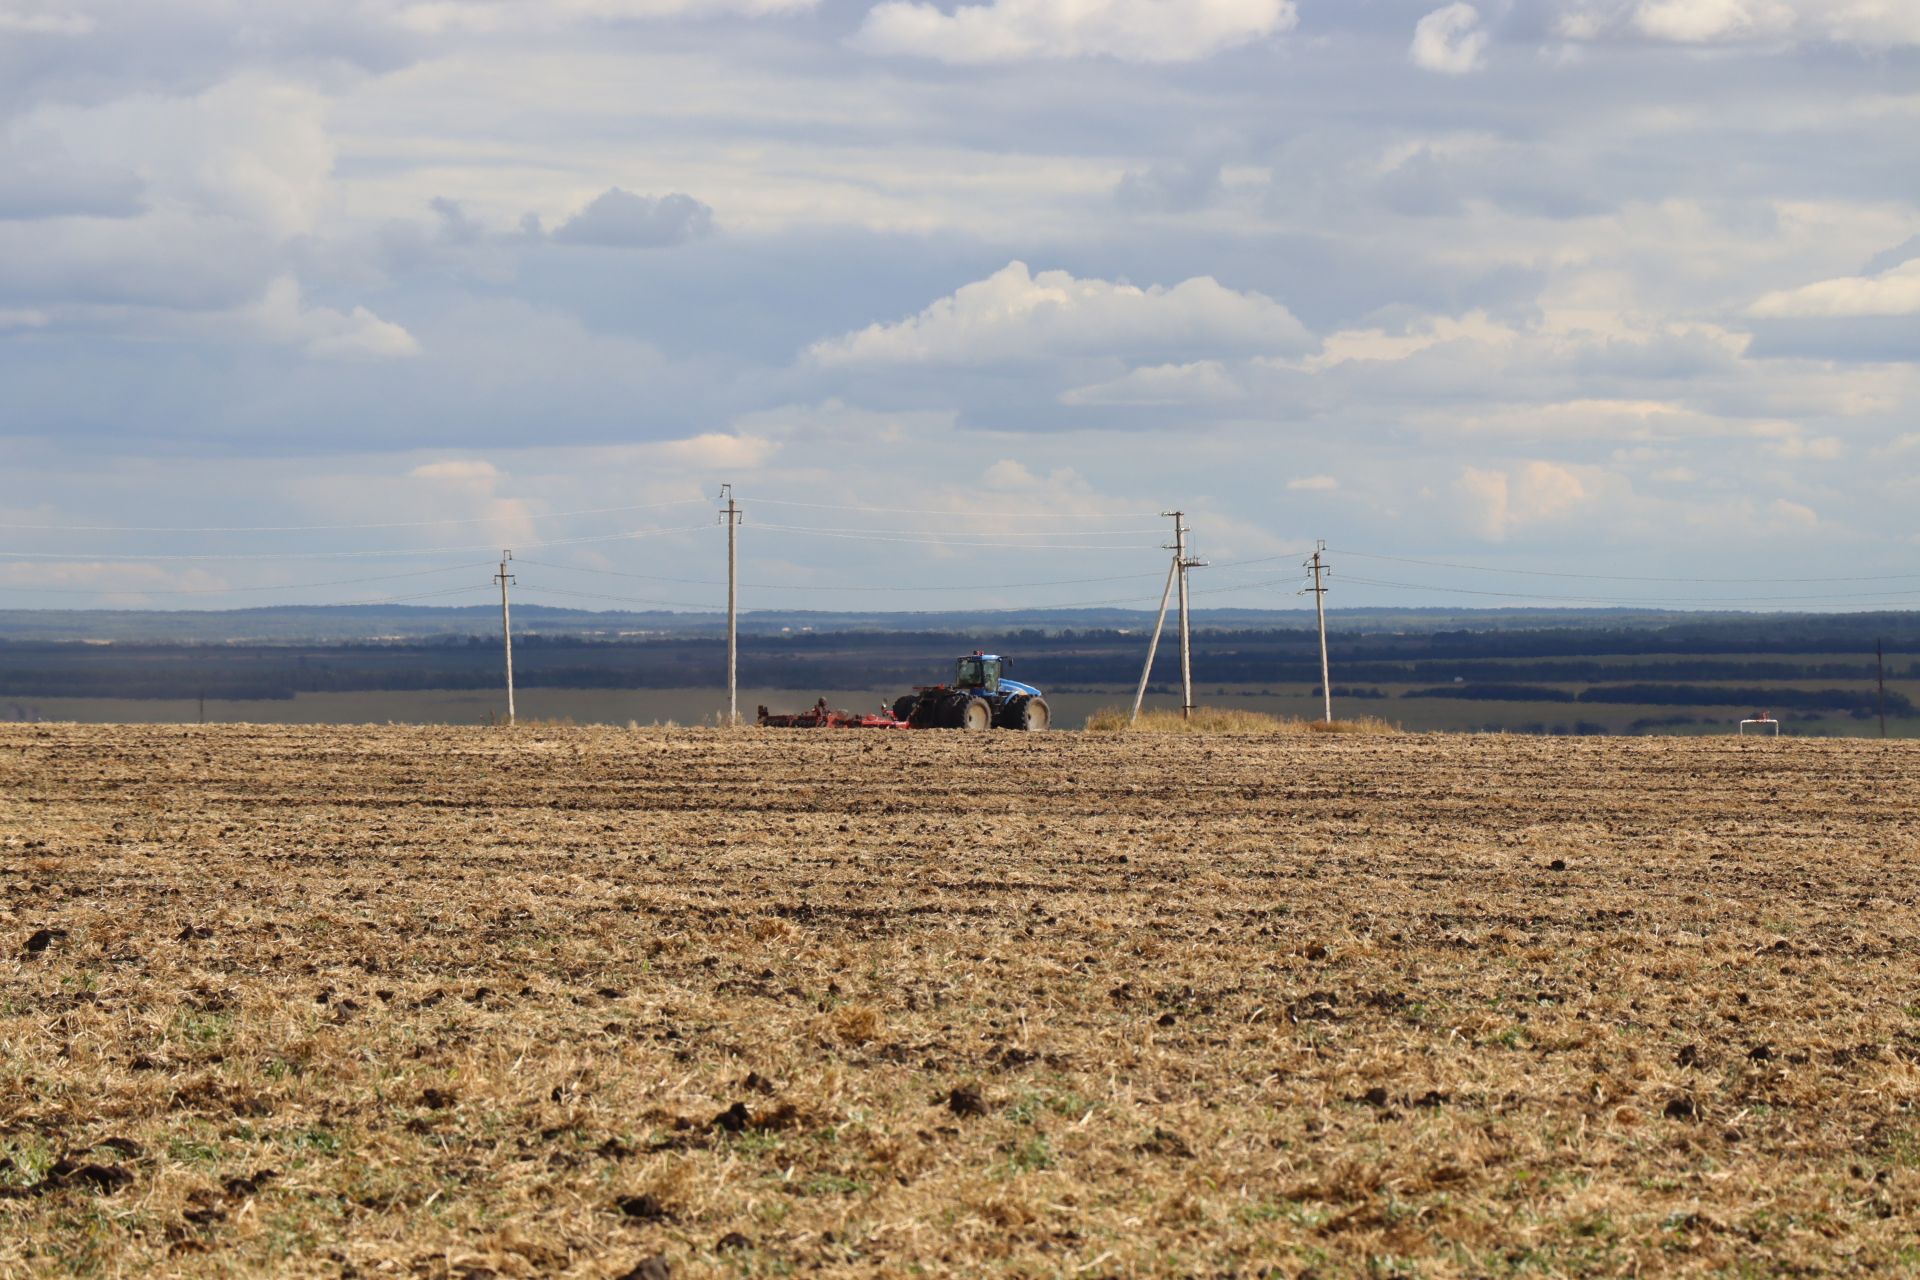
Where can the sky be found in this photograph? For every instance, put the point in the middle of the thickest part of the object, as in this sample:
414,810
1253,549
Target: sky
1542,302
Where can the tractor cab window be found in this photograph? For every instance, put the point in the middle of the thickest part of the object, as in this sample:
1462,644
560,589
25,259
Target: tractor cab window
979,673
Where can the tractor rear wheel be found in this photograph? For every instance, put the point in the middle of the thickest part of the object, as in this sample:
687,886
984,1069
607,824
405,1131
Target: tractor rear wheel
976,715
903,706
1034,716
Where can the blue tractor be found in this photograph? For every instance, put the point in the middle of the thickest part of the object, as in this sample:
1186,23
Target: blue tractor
980,697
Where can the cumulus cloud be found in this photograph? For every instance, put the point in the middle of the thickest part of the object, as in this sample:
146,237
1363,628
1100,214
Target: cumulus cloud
1450,41
439,17
1200,382
1129,30
1015,316
1877,23
30,20
282,317
1892,293
462,470
1499,501
621,220
1703,21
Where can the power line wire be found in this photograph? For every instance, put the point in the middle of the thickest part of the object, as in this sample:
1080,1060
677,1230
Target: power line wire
1618,577
948,542
323,528
629,535
934,511
804,586
1693,602
222,591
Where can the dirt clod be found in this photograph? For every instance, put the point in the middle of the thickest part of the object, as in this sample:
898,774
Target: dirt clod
965,1100
731,1241
1165,1142
646,1207
735,1119
655,1267
1682,1108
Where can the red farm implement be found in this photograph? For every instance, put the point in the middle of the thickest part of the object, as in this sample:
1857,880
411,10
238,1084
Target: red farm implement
821,716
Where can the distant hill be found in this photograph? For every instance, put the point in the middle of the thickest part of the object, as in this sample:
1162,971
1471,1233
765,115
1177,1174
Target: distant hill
330,624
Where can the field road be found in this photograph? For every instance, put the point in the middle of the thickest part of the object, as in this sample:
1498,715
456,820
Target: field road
443,1002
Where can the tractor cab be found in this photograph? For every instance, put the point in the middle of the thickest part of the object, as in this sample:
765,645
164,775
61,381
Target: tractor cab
980,671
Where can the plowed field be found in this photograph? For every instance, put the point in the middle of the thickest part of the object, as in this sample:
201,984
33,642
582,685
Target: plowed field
446,1002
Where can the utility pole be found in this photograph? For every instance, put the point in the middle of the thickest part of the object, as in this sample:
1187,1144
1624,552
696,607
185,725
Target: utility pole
1153,646
732,516
1880,665
1182,563
505,579
1318,565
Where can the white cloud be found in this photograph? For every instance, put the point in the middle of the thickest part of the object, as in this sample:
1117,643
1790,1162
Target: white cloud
1874,23
1472,329
1014,316
1705,21
32,20
1313,484
1497,502
714,450
439,17
1201,382
1798,448
281,317
1892,293
1010,474
1130,30
461,470
1450,41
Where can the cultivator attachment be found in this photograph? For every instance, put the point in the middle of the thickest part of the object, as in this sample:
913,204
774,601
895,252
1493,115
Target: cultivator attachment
821,716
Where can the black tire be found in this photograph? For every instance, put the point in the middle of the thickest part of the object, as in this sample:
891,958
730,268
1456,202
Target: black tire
976,714
903,706
1035,716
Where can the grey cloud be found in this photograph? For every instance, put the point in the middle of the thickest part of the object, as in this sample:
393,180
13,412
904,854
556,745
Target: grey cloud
1519,180
1888,259
455,226
32,188
621,220
1847,339
1172,187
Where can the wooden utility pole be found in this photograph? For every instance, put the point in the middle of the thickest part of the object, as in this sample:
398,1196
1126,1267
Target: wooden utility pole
731,515
1153,645
1320,613
505,579
1880,666
1182,564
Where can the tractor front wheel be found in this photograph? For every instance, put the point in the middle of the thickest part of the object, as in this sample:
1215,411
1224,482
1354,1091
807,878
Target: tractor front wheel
976,715
1034,716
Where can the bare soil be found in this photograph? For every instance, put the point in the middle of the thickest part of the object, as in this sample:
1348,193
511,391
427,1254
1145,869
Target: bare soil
464,1002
